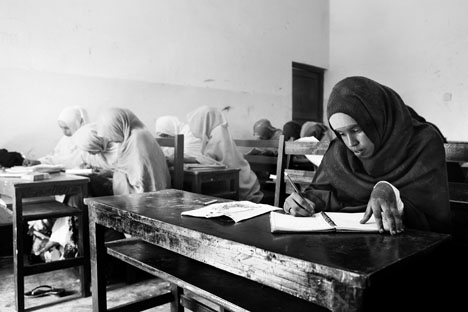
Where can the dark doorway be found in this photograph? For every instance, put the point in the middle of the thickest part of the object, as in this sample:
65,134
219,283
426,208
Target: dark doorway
307,93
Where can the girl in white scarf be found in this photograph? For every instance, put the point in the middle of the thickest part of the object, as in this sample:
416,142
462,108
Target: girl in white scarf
209,124
141,165
66,152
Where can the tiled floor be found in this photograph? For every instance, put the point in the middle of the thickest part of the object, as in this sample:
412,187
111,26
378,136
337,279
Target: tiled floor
117,293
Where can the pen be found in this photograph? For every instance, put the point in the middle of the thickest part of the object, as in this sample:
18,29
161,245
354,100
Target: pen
210,202
288,178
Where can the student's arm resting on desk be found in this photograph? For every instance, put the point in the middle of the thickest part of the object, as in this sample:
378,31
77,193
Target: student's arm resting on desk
387,207
384,203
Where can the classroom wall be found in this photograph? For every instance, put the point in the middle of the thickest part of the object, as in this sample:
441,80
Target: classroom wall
154,57
419,48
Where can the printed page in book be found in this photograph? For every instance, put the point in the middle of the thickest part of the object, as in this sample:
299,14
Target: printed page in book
236,210
345,222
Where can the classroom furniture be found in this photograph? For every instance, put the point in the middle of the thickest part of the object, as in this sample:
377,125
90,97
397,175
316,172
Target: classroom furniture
457,152
177,168
336,271
217,182
303,178
262,165
29,200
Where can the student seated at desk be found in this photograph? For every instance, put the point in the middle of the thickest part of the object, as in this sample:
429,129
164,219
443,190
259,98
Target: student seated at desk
209,124
65,152
55,239
263,130
291,130
170,126
383,162
316,129
141,165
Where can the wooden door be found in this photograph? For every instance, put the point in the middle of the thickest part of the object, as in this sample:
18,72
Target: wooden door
307,92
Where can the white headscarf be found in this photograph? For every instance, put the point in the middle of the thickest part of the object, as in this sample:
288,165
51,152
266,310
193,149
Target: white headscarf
66,152
209,124
95,150
169,125
74,117
141,165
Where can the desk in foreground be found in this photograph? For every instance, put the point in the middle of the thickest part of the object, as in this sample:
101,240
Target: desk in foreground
333,270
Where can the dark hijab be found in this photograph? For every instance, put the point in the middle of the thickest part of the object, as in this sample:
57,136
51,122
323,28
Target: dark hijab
409,154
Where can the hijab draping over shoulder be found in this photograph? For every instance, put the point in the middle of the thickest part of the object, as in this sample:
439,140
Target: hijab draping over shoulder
66,152
408,154
141,165
95,150
209,124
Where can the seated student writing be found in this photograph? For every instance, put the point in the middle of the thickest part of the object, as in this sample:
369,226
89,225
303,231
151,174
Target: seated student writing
209,124
383,162
141,165
263,130
65,153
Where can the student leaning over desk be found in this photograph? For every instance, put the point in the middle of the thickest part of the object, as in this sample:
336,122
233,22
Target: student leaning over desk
381,155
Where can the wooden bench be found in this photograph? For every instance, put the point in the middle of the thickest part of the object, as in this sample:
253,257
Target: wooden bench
262,165
223,290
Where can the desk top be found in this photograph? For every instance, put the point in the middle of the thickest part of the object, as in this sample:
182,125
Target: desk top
57,181
306,265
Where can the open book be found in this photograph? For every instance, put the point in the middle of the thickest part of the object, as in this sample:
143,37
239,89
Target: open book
236,210
322,222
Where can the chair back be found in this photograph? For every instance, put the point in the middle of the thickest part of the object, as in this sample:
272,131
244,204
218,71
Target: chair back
302,178
457,152
177,142
262,165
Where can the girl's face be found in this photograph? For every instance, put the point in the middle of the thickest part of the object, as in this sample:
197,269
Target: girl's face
352,135
66,130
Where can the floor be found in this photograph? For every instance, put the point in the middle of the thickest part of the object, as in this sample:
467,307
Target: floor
117,293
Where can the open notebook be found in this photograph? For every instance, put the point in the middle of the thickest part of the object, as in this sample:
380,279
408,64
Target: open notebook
322,222
236,210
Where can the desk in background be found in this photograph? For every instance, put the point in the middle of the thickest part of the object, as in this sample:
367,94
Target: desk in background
339,271
222,183
29,201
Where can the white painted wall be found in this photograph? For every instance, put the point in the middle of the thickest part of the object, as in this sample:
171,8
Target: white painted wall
417,47
155,57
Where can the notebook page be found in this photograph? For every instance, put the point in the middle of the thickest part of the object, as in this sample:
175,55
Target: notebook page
286,223
346,221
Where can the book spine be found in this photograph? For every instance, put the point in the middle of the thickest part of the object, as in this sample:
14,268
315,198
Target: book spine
328,219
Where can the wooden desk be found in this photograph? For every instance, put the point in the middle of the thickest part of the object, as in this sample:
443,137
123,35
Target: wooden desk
339,271
24,207
222,183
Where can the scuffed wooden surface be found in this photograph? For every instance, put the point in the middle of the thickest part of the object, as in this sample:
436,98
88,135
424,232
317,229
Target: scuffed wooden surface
330,269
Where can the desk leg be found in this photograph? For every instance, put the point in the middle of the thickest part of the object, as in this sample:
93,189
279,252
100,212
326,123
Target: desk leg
18,253
98,258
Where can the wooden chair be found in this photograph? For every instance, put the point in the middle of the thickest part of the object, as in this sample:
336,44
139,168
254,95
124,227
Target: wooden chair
457,152
301,177
177,172
262,165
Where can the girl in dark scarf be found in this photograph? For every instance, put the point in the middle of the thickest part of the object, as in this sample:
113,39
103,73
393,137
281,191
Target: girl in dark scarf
382,160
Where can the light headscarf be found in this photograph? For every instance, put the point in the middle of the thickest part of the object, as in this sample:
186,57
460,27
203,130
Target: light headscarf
203,120
74,117
141,165
87,139
169,125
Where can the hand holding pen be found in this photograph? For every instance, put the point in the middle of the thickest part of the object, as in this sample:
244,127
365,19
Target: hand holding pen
296,204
